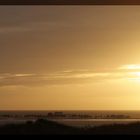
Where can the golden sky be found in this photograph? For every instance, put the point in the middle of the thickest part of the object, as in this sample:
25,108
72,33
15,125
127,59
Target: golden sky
69,57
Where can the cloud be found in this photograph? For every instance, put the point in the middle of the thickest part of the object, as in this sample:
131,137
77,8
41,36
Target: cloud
63,77
29,26
130,67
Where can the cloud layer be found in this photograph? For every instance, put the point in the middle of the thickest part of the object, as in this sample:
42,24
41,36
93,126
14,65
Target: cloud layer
65,77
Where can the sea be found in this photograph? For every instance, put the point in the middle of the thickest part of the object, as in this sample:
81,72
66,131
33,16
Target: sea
134,117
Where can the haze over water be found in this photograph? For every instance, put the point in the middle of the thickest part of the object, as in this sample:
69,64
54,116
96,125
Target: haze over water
16,117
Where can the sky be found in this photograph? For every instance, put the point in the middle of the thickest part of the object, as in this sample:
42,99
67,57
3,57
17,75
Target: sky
69,57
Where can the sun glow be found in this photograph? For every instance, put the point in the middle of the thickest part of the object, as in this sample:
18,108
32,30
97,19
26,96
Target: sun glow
134,76
137,74
132,71
130,67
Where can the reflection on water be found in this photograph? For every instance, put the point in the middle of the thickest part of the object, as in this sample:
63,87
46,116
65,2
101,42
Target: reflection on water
76,122
95,122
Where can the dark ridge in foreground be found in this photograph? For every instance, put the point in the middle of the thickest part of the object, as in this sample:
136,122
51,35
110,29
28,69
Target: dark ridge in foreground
52,128
41,126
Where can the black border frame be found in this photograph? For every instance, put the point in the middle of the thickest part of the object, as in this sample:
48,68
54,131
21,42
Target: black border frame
69,2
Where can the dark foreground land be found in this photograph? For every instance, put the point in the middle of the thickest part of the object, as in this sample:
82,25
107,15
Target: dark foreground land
48,128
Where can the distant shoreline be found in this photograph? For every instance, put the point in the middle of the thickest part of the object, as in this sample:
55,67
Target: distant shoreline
71,118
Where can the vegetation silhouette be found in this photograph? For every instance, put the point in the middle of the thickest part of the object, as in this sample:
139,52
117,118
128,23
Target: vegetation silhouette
46,127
